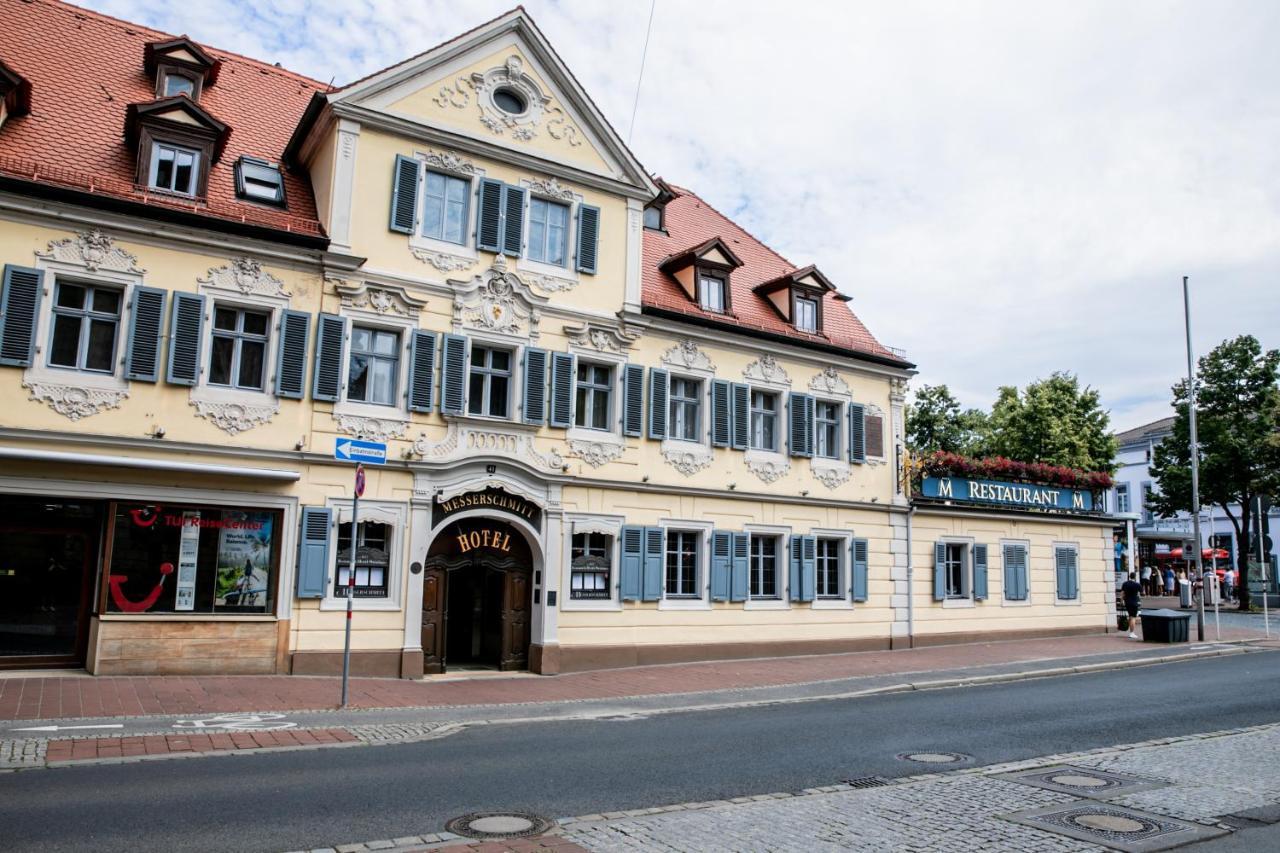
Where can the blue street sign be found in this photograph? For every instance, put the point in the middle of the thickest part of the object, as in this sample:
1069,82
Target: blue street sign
354,450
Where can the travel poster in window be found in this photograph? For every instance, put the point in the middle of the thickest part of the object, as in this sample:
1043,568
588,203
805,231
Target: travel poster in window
244,559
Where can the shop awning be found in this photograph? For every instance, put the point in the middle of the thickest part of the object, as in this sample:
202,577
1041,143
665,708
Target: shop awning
29,455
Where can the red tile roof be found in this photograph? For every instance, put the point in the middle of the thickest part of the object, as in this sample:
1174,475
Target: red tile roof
86,68
690,221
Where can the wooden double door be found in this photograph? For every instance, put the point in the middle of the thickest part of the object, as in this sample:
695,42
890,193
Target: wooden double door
476,605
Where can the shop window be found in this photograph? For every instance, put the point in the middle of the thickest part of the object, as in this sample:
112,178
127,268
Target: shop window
826,428
685,397
86,326
764,567
595,393
238,351
682,563
828,568
373,560
590,557
548,231
764,420
170,558
444,212
489,390
954,571
375,366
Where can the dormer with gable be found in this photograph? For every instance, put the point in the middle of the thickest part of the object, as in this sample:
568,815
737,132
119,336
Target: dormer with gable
15,94
703,273
176,142
798,297
179,66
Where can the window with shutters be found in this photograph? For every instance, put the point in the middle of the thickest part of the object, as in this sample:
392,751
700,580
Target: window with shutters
1066,564
238,347
594,401
445,207
86,326
956,570
685,400
590,561
682,558
372,560
380,566
489,382
548,232
1014,577
829,585
764,420
826,429
764,579
373,368
711,291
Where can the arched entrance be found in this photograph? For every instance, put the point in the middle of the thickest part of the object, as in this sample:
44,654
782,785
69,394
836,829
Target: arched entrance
476,597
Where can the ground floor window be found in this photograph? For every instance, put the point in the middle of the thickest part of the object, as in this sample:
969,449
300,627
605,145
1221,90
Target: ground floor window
682,563
373,560
191,558
764,567
953,567
829,568
590,557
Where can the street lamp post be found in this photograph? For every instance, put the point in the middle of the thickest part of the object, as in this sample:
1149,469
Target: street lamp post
1195,462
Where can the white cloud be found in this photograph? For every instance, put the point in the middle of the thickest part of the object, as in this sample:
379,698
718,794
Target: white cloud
1005,188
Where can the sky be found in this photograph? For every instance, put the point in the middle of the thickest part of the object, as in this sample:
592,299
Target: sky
1006,189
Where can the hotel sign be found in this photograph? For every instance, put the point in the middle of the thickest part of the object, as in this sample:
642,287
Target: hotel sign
489,501
1021,495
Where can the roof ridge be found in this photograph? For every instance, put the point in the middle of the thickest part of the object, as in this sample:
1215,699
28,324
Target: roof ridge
711,207
137,27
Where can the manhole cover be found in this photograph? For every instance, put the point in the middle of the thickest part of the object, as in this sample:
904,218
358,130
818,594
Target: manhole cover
488,825
935,757
1115,826
1083,781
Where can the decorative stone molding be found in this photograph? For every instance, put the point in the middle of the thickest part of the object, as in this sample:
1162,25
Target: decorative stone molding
235,417
510,75
449,162
551,188
596,453
768,470
832,478
766,369
378,298
92,250
686,354
245,275
597,336
75,401
687,461
497,301
456,95
442,261
828,381
465,441
375,429
559,127
897,391
548,283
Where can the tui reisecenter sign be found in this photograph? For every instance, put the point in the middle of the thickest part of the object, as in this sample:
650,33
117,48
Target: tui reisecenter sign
1021,495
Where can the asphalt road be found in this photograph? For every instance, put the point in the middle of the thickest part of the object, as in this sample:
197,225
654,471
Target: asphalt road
293,800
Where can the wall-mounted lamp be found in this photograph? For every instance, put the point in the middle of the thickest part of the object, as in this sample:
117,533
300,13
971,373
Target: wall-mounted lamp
300,444
157,431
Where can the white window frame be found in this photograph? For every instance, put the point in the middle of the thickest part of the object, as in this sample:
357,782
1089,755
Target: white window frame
844,584
274,306
703,531
154,169
611,389
417,240
723,280
782,535
346,407
872,410
840,429
85,315
513,355
702,446
610,525
1074,547
393,513
812,303
777,420
1024,543
1123,488
967,600
238,337
699,399
611,437
572,200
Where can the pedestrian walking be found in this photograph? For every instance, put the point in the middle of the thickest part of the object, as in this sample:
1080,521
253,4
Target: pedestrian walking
1132,592
1229,584
1157,582
1170,582
1146,579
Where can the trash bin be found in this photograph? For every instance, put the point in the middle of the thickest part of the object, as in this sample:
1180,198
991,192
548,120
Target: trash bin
1184,593
1164,626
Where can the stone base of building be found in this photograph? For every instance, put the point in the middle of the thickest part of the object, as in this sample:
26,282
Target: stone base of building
137,647
965,637
582,658
392,663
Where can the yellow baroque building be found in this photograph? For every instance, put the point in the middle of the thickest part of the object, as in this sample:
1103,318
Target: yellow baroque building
618,428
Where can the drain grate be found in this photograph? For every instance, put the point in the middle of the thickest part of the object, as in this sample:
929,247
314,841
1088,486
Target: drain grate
495,825
866,782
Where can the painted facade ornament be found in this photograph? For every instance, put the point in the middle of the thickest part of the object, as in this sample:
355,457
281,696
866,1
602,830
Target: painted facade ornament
687,462
234,418
381,299
832,478
897,391
687,354
769,470
551,188
510,75
596,453
374,429
766,369
497,300
443,261
75,401
600,337
245,275
449,162
548,283
465,441
828,381
92,250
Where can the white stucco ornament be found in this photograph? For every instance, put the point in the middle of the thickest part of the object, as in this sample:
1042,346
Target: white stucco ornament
832,478
75,401
497,301
233,417
465,440
92,250
246,276
687,354
766,369
596,453
769,470
374,429
828,381
443,261
687,462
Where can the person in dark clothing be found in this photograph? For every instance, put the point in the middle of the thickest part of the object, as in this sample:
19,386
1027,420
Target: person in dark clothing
1132,592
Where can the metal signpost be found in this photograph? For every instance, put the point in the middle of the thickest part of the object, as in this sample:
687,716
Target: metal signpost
1262,571
1195,462
352,450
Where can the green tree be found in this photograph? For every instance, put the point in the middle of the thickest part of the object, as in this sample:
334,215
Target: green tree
1054,420
936,422
1237,424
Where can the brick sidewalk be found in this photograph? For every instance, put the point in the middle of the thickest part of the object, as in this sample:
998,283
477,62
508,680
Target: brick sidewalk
40,698
88,749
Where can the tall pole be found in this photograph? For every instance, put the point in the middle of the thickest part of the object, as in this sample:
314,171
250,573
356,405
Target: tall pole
1262,568
351,582
1195,463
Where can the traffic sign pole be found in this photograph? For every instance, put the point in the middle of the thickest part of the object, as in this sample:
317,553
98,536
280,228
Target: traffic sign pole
356,492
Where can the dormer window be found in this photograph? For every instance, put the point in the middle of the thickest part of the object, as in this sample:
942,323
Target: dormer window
703,273
806,312
655,210
653,218
259,180
798,296
174,169
15,94
176,143
180,67
711,291
178,84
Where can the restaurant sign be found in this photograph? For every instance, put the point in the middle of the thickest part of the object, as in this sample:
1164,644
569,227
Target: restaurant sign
1021,495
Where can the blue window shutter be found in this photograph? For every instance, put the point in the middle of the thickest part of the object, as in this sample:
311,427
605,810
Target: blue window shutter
741,416
404,194
808,567
657,403
1010,553
512,220
721,564
313,552
1075,575
422,371
1024,570
19,304
326,377
858,564
535,385
721,417
795,551
1060,567
562,374
630,574
146,325
739,575
184,338
652,585
939,571
453,375
980,572
489,216
291,357
588,237
800,424
857,433
633,400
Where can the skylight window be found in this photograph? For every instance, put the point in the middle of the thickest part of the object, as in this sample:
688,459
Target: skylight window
258,180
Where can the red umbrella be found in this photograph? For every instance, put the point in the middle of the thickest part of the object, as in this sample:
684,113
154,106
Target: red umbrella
1209,554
